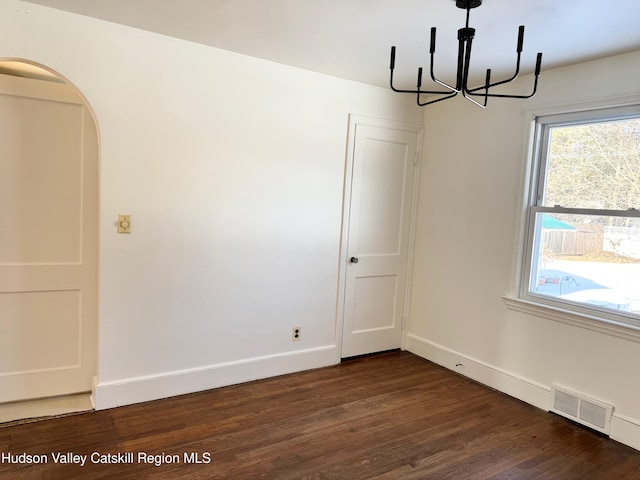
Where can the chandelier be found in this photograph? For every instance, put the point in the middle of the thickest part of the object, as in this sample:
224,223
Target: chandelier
465,40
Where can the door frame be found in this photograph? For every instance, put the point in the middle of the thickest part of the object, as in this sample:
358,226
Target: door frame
354,121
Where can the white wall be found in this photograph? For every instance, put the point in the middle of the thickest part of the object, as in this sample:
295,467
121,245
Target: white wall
232,169
467,235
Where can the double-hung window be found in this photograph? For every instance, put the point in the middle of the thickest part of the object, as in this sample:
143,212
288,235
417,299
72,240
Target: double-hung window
582,251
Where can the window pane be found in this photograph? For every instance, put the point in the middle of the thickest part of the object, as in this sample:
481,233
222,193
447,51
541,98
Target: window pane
588,259
594,166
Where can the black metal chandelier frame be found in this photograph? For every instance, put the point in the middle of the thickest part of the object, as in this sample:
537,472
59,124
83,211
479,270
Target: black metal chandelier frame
465,41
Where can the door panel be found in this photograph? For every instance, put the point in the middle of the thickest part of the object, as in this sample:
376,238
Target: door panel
41,190
48,240
369,316
28,328
381,183
379,218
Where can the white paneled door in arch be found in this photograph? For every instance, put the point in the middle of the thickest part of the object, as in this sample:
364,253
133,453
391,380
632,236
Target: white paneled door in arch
48,240
382,162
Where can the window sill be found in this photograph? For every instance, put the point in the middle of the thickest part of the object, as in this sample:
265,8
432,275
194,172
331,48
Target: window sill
590,322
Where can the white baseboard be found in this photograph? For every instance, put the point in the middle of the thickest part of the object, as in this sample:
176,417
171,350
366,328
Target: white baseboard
623,429
154,387
489,375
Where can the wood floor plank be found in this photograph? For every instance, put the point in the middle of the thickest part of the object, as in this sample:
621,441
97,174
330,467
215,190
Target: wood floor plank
395,416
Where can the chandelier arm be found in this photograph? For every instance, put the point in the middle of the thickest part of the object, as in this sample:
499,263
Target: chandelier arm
501,82
468,43
432,51
465,94
481,105
498,95
433,77
484,95
425,92
418,91
392,63
419,85
451,95
517,72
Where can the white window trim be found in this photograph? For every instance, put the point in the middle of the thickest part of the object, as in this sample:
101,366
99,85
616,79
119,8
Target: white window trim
591,319
573,317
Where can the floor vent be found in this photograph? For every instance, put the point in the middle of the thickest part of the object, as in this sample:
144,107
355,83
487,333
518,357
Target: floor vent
582,409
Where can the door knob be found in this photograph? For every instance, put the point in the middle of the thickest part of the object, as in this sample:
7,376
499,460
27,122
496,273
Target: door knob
353,259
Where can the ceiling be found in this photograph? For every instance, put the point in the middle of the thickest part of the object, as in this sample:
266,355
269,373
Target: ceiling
351,38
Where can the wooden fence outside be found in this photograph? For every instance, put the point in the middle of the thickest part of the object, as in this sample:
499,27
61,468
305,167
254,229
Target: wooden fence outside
585,239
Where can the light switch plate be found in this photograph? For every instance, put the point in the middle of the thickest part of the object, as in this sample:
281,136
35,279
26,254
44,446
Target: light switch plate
124,223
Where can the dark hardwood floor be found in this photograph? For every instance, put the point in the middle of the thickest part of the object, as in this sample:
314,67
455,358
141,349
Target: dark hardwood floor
394,416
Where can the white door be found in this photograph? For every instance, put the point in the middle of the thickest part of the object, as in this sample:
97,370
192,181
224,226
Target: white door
383,157
48,240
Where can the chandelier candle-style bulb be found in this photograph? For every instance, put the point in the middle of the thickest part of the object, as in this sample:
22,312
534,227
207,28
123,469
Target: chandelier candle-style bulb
465,41
432,48
520,39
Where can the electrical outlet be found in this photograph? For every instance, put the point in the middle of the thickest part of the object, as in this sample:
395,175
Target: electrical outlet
295,334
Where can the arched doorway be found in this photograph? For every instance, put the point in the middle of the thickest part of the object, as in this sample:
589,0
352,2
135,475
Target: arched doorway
48,235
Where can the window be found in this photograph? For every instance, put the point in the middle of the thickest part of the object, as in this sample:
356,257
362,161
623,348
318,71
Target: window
583,216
